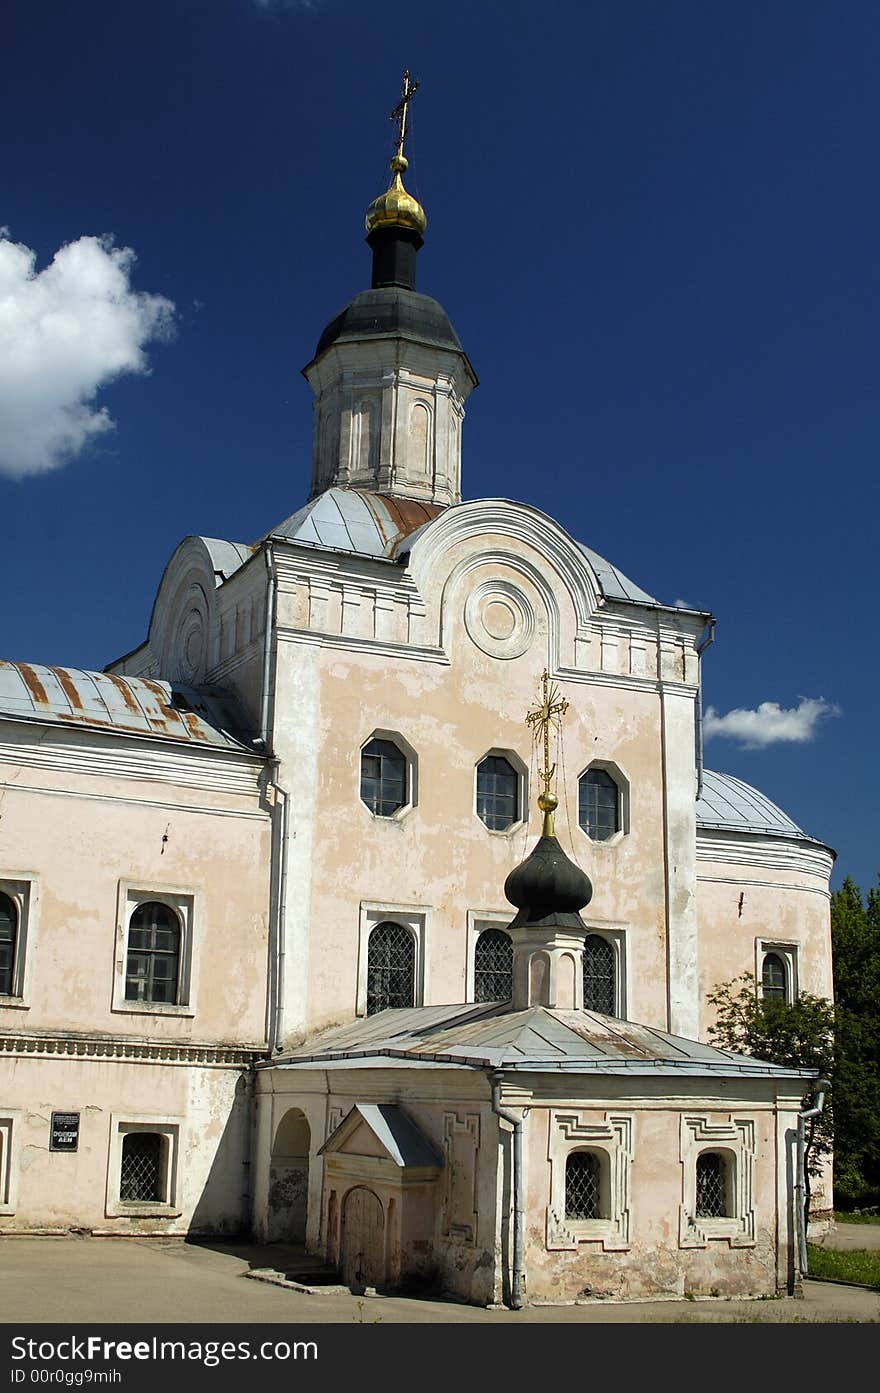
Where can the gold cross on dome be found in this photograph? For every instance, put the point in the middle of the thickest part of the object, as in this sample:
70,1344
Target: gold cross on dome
550,713
399,112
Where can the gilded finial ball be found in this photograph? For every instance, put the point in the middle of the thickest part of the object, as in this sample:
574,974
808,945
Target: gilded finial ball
548,802
399,164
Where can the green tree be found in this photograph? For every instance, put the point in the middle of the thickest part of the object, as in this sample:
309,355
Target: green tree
855,937
798,1034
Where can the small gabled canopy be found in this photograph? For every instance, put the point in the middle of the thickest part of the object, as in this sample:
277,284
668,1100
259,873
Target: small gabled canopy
396,1134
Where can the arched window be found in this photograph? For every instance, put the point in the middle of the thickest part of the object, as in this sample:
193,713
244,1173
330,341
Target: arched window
141,1177
493,966
152,968
582,1186
8,937
497,793
774,984
600,987
598,804
383,777
713,1186
391,961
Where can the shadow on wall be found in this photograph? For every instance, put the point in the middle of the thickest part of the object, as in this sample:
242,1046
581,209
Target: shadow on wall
224,1204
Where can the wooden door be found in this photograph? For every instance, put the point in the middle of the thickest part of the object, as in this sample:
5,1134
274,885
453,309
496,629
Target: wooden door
363,1239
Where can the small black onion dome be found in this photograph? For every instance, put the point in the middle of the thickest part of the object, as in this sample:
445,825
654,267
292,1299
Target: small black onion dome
394,312
548,888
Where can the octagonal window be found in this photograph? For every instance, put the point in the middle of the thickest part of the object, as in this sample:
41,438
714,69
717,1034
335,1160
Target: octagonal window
599,805
384,778
498,793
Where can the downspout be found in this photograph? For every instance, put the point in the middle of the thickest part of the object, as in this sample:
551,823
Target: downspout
276,1022
516,1122
277,1038
822,1087
708,637
271,593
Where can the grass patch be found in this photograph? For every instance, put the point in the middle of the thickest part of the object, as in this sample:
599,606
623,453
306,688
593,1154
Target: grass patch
847,1218
858,1266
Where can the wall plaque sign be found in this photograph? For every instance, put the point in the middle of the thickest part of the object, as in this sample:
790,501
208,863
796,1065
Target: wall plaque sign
64,1131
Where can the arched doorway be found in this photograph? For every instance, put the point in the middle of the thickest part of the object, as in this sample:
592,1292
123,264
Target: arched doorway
362,1256
289,1179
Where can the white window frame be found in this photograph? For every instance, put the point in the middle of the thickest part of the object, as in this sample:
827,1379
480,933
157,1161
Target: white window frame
616,936
699,1133
477,922
169,1129
611,1141
400,742
522,792
621,779
185,904
23,889
415,918
10,1127
788,952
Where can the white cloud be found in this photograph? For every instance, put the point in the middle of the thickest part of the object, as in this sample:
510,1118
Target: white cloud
770,723
66,332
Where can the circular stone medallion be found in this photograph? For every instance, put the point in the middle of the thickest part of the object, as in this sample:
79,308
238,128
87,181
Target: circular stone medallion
500,619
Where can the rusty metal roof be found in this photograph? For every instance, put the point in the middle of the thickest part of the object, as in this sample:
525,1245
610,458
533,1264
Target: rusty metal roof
123,705
495,1036
354,520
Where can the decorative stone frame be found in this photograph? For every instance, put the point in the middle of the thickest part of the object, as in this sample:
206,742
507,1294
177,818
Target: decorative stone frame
522,792
621,779
788,952
616,936
10,1122
736,1137
416,919
23,891
611,1142
184,904
411,791
121,1125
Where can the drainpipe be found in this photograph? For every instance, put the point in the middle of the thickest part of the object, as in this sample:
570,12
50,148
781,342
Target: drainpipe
708,637
822,1087
267,645
276,1036
516,1121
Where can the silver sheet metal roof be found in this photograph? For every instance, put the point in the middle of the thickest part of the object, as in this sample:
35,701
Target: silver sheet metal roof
123,705
399,1135
729,804
371,524
537,1039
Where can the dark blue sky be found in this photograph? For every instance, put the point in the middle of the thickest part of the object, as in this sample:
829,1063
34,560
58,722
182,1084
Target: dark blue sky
655,228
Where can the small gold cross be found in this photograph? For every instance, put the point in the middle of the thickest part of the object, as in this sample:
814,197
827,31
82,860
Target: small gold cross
399,112
553,707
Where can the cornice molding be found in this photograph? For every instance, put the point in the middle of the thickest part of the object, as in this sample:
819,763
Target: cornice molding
764,852
138,1051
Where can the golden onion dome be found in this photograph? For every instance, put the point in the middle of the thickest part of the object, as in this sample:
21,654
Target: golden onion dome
395,207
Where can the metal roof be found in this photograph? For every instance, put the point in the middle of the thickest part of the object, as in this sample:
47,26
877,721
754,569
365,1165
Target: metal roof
371,524
399,1135
536,1039
729,804
123,705
615,585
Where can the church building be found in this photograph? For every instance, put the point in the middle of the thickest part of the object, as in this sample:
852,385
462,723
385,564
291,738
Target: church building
307,931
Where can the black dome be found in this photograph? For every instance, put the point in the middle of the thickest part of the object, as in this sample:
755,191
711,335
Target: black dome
392,311
548,888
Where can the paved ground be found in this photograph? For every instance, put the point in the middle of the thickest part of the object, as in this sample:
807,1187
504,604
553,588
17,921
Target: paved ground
847,1237
112,1280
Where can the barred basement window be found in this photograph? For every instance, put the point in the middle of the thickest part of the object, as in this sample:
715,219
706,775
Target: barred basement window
141,1180
712,1186
497,793
383,778
598,805
152,966
600,988
774,986
391,958
493,966
8,939
582,1186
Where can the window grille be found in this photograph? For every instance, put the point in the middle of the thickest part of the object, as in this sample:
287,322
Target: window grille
599,976
773,982
153,959
711,1186
493,966
383,778
582,1186
391,960
598,805
141,1176
8,935
497,793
